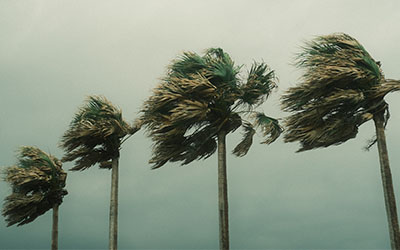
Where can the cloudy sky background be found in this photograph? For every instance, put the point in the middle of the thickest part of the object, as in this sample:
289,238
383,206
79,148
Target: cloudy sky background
55,53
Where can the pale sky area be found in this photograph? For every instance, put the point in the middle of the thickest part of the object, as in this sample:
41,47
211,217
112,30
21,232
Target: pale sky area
53,54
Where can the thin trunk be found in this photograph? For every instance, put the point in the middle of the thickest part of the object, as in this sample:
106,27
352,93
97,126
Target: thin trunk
222,193
113,231
54,231
390,201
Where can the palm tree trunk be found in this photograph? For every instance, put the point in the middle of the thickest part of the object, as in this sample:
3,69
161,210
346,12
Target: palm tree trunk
390,201
113,230
222,193
54,231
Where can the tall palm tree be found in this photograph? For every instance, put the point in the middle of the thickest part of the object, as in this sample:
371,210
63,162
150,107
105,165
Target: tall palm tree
94,137
37,182
342,87
199,102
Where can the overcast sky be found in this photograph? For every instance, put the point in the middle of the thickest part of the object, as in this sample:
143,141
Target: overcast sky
55,53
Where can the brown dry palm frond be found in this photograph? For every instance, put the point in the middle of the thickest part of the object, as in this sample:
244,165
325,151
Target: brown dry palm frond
200,96
341,88
95,134
37,182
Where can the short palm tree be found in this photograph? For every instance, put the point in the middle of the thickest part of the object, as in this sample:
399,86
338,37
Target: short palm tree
94,137
342,87
199,102
37,182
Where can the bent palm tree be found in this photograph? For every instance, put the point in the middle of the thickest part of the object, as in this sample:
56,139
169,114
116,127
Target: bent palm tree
94,137
342,87
37,182
197,104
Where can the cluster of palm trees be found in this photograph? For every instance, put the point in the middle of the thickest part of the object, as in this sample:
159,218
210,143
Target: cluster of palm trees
201,100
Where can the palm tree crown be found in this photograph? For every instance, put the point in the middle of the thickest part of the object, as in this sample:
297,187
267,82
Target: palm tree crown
200,96
37,182
342,87
95,134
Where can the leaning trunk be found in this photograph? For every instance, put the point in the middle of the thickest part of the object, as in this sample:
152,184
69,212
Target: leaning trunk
54,231
113,231
390,201
222,193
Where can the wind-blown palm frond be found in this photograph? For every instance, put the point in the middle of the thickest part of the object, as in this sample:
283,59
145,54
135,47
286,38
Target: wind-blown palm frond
385,88
341,89
260,83
37,182
200,96
269,126
243,147
95,134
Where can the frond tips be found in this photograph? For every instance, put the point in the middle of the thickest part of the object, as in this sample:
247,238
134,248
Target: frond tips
200,96
243,147
341,88
95,134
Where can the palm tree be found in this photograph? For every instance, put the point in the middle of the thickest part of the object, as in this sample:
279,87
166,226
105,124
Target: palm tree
94,137
37,182
199,102
342,87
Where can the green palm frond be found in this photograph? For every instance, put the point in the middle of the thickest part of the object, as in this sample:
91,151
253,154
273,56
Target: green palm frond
95,134
243,147
200,96
179,145
341,88
269,126
222,72
337,61
260,82
37,182
187,65
339,51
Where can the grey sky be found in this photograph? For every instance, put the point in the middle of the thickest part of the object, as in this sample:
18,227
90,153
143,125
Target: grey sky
55,53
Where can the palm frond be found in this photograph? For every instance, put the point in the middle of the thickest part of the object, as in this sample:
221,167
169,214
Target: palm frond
95,133
261,81
187,65
323,133
336,61
269,126
243,147
199,144
340,50
136,126
341,88
380,91
222,72
37,182
21,209
195,100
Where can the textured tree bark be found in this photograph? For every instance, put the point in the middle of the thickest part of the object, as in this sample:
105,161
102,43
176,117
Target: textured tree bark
222,193
113,230
54,231
390,201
